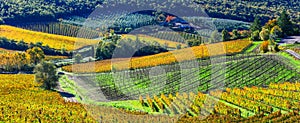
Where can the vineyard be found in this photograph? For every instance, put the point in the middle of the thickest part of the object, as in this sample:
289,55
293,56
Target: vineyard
218,23
53,41
180,37
147,61
61,29
161,41
4,51
276,103
237,71
203,51
22,101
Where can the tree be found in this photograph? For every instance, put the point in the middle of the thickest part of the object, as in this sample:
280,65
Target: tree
215,36
77,58
256,25
285,24
270,24
45,73
193,42
236,34
36,54
1,21
264,34
178,46
264,46
255,36
276,32
225,35
22,58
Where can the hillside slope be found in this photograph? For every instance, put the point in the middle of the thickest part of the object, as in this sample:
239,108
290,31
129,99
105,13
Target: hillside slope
53,41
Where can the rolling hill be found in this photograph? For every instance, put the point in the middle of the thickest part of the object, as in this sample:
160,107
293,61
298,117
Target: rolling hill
53,41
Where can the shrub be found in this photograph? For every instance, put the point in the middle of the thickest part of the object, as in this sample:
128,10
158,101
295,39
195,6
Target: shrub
264,46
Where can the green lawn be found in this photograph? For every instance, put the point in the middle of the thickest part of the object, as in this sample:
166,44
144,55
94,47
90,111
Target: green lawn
131,105
253,46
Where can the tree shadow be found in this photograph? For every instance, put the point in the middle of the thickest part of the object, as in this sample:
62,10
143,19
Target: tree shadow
66,94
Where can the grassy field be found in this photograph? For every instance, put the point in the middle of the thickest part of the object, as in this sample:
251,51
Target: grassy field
53,41
171,44
253,47
202,51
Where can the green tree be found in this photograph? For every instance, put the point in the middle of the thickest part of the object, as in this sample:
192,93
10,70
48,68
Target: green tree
256,25
255,36
45,73
285,23
36,54
215,36
264,34
1,21
275,33
270,24
105,50
178,46
236,34
225,35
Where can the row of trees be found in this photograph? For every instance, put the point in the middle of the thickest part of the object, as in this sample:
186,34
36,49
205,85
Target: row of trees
22,61
235,34
274,28
247,10
31,60
125,48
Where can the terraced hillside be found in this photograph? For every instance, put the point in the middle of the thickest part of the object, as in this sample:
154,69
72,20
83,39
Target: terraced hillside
202,51
276,103
236,71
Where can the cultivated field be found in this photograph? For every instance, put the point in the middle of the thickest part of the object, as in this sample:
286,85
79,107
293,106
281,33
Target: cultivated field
22,101
53,41
203,51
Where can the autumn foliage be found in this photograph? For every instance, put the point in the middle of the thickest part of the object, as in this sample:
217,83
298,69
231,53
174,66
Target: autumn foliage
186,54
53,41
264,46
22,101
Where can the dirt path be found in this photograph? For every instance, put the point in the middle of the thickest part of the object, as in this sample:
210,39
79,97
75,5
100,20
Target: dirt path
67,96
290,40
293,53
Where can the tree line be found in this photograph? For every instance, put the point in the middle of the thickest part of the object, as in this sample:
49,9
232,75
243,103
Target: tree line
125,47
50,10
279,27
43,10
21,61
247,10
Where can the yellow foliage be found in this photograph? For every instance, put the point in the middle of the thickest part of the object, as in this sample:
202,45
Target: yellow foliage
22,101
264,46
54,41
186,54
147,38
